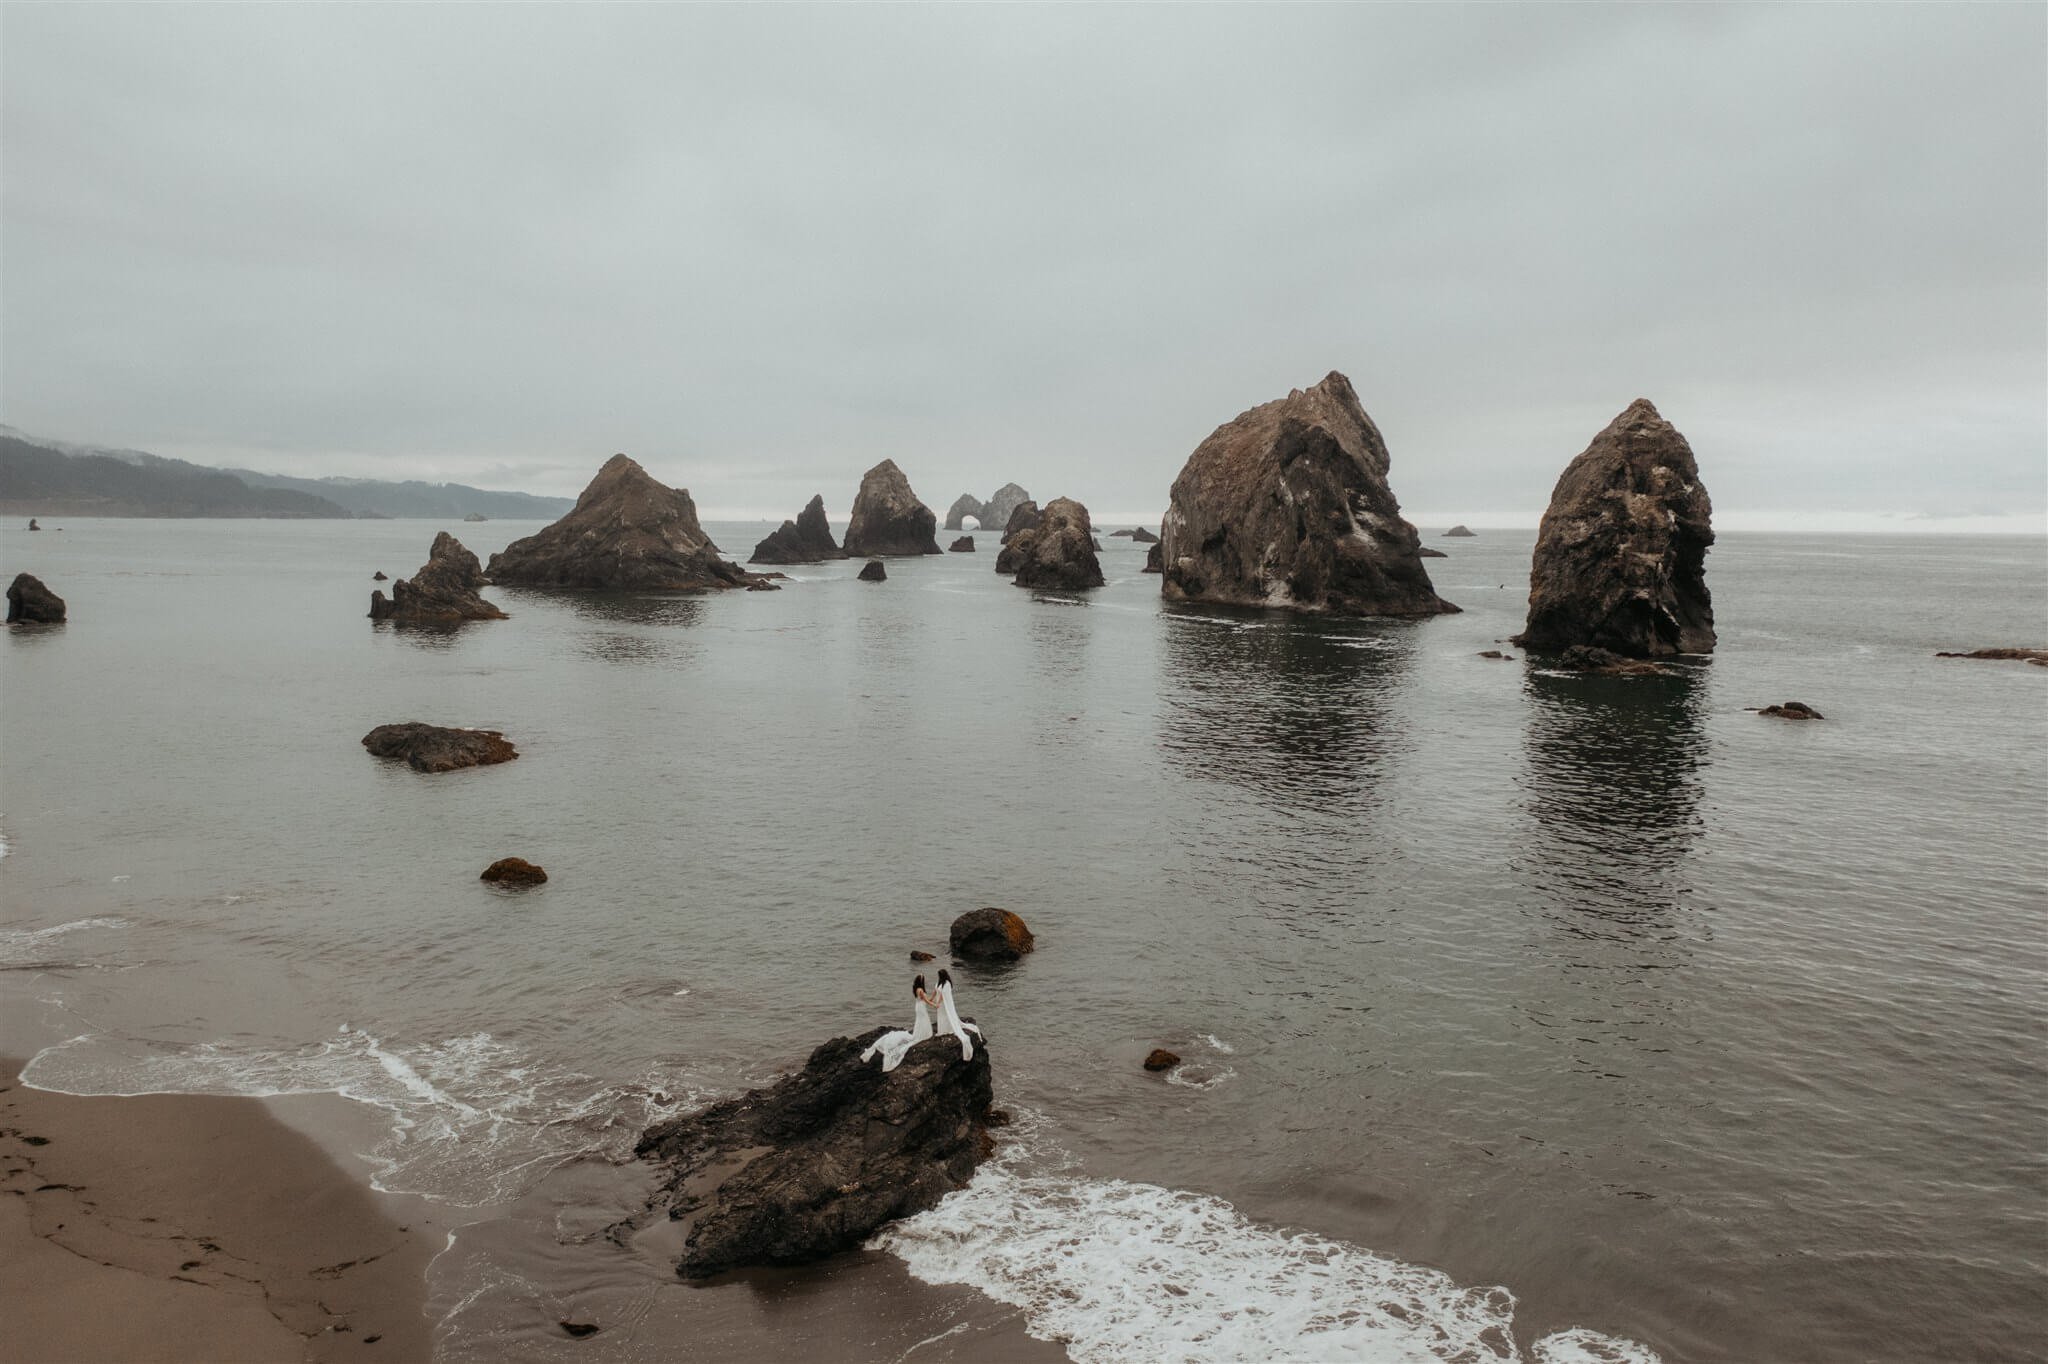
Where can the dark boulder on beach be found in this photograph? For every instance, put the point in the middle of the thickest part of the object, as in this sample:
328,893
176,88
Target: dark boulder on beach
1792,710
436,748
1621,557
627,532
814,1163
441,593
31,603
990,935
1058,552
806,540
888,518
1154,562
873,571
1287,505
514,872
1584,658
964,506
964,545
1161,1059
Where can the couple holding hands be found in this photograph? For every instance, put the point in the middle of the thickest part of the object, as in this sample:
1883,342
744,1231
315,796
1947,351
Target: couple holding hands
933,1016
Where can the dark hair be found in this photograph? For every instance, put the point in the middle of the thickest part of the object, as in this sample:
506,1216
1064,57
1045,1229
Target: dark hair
945,979
918,984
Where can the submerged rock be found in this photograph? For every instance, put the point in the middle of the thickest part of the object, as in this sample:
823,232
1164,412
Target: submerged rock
2037,657
990,935
1161,1059
441,593
964,506
627,531
1495,653
1287,505
806,540
1459,533
1792,710
1584,658
31,603
814,1163
514,872
436,748
964,545
873,571
1058,552
1621,558
888,518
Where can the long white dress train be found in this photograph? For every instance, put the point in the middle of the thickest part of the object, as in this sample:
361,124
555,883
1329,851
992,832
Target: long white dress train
949,1022
893,1046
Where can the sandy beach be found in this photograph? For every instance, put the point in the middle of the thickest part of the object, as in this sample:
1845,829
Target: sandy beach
177,1228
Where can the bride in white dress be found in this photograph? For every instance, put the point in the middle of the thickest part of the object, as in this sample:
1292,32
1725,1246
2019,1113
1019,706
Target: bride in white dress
949,1018
893,1046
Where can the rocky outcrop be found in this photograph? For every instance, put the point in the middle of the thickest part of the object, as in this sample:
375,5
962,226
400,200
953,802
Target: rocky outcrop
1287,505
1459,533
1023,516
476,516
1161,1059
964,545
1495,653
813,1164
627,532
2037,657
1058,552
1004,500
990,935
1586,658
513,873
32,524
964,506
1426,552
873,571
435,748
441,593
1792,710
31,603
888,518
806,540
1144,537
1621,557
1155,560
380,576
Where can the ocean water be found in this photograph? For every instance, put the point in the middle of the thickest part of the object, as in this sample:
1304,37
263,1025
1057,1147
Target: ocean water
1526,1016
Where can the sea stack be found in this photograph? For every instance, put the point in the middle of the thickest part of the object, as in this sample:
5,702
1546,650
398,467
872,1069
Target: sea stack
441,593
995,513
1287,505
964,506
888,518
1058,552
31,603
1023,516
1620,560
627,531
806,540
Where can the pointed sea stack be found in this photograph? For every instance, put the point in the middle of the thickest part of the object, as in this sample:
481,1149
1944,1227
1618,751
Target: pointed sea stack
1059,552
1288,506
888,518
441,593
806,540
627,532
1621,558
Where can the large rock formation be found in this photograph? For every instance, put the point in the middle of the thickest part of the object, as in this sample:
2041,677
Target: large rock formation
812,1164
990,935
627,531
1287,505
1004,500
1621,557
964,506
436,748
888,518
1023,516
806,540
1059,552
441,593
31,603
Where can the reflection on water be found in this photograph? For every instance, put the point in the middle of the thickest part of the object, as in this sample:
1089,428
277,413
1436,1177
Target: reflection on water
435,635
634,608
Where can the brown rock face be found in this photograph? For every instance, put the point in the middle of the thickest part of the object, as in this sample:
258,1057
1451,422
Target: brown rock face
888,518
435,748
873,571
31,603
990,935
1154,560
806,540
627,531
996,511
1621,557
964,545
1023,516
1161,1059
514,872
1288,506
441,593
1058,552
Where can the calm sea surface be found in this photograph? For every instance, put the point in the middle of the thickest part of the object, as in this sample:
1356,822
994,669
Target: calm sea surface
1525,1016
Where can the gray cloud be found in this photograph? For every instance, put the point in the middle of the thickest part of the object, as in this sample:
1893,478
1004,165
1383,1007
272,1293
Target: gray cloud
761,248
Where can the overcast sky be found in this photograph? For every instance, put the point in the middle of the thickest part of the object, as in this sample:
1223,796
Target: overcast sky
761,248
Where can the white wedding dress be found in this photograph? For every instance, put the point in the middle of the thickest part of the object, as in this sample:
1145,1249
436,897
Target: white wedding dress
949,1022
894,1046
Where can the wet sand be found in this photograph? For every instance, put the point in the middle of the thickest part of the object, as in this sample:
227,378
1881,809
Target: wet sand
178,1227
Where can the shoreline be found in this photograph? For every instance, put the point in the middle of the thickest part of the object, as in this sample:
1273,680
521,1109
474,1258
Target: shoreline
177,1227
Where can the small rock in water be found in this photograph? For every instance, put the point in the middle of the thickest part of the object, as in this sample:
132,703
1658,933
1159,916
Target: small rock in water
380,576
1589,658
1495,653
31,603
514,871
964,545
1161,1059
580,1329
1792,710
920,956
437,748
991,935
873,572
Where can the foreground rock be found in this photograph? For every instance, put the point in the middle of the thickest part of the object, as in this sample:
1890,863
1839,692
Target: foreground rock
2037,657
990,935
964,506
1459,533
1584,658
627,532
888,518
434,748
441,593
31,603
964,545
514,872
1621,557
873,571
1058,552
806,540
813,1164
1287,505
1792,710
